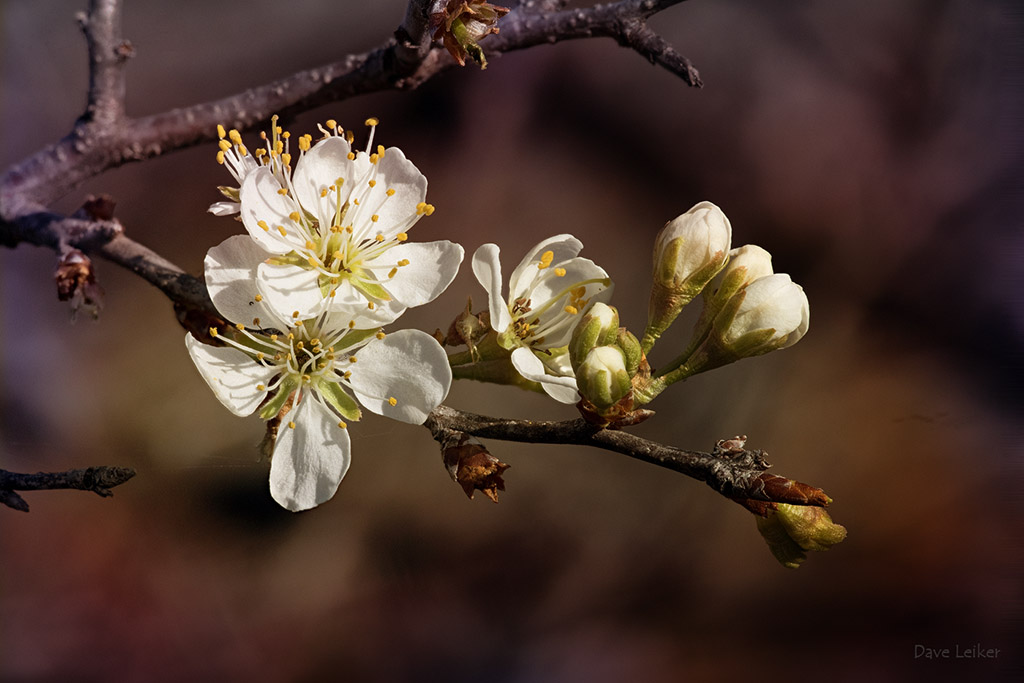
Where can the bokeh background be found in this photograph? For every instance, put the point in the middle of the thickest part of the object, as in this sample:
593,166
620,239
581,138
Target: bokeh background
872,146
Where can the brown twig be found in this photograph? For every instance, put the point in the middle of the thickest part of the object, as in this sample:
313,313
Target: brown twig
99,480
737,474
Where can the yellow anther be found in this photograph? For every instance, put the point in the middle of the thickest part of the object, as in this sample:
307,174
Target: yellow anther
295,314
294,215
263,224
393,401
283,191
235,137
263,135
306,378
356,202
374,218
290,335
258,298
220,158
304,144
421,207
379,237
380,151
370,305
429,211
286,134
220,131
255,322
351,156
403,262
260,153
392,272
372,121
352,359
545,259
560,272
291,425
332,124
224,145
348,373
312,261
213,332
300,345
390,192
348,229
309,244
333,292
374,158
286,158
372,183
337,255
579,291
571,310
278,147
260,355
401,237
273,337
261,387
323,192
342,424
340,181
278,130
350,136
315,341
334,280
239,326
380,335
351,324
280,229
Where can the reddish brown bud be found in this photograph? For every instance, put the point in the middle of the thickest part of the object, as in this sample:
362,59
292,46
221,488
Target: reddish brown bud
472,467
76,283
462,24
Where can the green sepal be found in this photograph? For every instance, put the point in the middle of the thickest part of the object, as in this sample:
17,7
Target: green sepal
232,193
630,346
339,399
370,289
272,407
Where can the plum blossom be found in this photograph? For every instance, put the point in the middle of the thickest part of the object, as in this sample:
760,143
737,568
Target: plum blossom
318,370
334,231
548,292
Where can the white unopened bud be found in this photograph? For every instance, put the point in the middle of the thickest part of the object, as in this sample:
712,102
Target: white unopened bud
599,327
602,377
688,252
773,314
746,264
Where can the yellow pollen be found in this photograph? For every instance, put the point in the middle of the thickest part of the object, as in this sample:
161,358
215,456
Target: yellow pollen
263,224
305,378
261,387
220,131
369,304
429,211
351,359
380,335
421,207
379,237
579,292
300,345
342,424
560,272
260,355
213,331
545,259
273,337
571,310
390,192
348,373
280,229
340,181
295,314
312,261
401,237
332,124
309,244
260,153
278,147
323,192
286,134
255,322
294,215
291,425
242,150
393,401
258,298
286,158
283,191
278,129
290,335
374,218
220,158
235,136
333,292
239,326
224,145
263,135
351,156
304,144
392,272
351,324
374,158
350,136
348,229
372,121
356,202
403,262
372,183
380,151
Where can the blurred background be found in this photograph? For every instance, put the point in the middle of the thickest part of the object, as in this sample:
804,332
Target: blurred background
873,147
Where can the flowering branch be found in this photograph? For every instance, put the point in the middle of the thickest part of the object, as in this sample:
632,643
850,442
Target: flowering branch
99,480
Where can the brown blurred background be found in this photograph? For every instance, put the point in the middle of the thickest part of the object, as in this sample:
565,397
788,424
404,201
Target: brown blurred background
872,147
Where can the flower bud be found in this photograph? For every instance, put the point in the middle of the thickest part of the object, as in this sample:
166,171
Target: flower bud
746,264
688,252
770,313
631,350
602,378
598,327
793,530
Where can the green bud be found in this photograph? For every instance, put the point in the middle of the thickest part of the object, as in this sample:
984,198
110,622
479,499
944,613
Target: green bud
770,313
631,350
598,327
792,531
602,378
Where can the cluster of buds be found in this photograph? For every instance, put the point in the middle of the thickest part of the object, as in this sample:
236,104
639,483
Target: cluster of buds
748,309
607,360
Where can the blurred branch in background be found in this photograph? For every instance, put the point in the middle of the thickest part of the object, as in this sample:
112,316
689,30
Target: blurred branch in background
99,480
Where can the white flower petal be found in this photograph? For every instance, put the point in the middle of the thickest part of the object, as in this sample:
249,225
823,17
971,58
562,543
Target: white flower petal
261,201
310,459
409,366
231,374
224,208
563,247
395,172
527,364
360,315
432,267
320,168
288,288
231,279
487,268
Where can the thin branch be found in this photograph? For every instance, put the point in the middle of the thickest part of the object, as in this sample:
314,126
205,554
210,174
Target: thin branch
735,473
99,480
107,54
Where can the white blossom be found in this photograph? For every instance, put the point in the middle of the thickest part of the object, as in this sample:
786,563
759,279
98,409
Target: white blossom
319,366
548,292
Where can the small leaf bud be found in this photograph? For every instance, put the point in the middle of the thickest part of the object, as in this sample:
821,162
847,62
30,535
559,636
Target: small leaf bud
599,327
792,531
602,378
